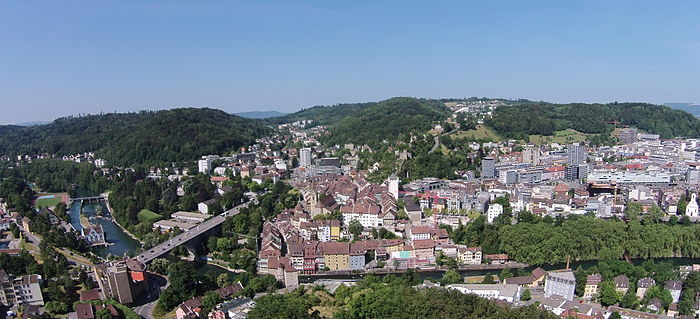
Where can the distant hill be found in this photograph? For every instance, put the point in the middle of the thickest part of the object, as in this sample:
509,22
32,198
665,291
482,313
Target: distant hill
260,114
322,115
370,123
541,118
688,107
134,138
34,123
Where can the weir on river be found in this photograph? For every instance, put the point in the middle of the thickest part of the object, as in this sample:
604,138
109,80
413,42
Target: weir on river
119,242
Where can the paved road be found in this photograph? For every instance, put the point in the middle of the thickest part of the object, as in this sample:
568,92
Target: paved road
437,140
156,284
178,240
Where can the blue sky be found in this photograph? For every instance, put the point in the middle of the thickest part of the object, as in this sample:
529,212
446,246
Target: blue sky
67,57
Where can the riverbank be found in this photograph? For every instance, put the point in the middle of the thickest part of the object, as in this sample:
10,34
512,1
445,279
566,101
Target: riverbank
389,271
109,209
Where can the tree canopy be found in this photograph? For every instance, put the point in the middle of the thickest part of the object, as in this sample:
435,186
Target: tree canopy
130,138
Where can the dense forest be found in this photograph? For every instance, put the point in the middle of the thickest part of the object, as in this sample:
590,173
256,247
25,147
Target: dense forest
588,238
536,240
371,123
386,297
54,175
320,114
541,118
131,138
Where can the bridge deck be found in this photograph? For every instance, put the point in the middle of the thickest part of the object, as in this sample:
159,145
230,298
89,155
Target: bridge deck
178,240
88,198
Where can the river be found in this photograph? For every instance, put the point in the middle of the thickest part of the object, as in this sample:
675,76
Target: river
120,243
676,261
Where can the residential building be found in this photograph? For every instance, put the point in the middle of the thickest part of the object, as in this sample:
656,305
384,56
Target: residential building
488,167
531,155
644,284
24,290
413,210
418,232
368,215
674,287
622,284
691,209
204,164
469,255
205,206
337,255
627,135
560,284
189,309
576,154
494,211
283,270
592,283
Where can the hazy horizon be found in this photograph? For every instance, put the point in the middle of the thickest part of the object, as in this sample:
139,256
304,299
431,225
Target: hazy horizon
72,57
35,121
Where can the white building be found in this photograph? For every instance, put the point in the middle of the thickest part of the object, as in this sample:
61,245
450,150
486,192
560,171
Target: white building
393,184
189,217
506,292
370,216
692,209
629,177
22,290
494,211
280,164
204,165
93,235
560,284
304,157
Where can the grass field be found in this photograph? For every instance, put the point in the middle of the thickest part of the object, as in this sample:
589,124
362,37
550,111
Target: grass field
148,216
481,132
562,137
47,202
444,149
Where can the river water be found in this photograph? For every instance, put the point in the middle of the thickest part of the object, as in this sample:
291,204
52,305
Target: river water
120,242
676,261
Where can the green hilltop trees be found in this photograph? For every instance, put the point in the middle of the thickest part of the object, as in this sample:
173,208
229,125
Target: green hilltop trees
136,138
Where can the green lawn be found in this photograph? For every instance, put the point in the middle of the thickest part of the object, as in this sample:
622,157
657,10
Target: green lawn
562,137
47,202
148,216
481,132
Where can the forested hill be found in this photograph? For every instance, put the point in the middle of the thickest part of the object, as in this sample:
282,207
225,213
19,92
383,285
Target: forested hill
133,138
520,120
370,123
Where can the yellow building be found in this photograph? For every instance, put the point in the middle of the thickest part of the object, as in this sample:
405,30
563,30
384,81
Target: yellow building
392,245
337,255
469,255
592,283
335,230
